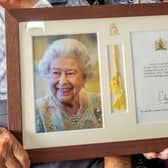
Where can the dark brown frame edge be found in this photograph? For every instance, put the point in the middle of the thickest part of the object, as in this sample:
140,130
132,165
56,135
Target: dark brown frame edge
13,17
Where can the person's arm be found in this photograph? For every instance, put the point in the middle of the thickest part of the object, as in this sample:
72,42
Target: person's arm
161,155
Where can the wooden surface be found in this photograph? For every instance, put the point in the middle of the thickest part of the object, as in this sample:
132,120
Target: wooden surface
13,77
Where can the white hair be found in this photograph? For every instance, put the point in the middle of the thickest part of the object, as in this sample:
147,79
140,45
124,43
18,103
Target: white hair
66,46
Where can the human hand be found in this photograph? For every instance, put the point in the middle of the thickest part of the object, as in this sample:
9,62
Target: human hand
117,162
153,155
12,154
17,3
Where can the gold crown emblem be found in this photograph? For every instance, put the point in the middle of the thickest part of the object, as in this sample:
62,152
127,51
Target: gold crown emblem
160,44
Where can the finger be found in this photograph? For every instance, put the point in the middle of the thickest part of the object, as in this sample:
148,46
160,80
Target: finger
163,157
17,3
20,154
4,143
2,130
11,148
165,151
151,155
164,154
2,165
117,162
2,162
7,158
12,162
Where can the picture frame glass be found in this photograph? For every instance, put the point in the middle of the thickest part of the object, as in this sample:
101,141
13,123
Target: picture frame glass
112,35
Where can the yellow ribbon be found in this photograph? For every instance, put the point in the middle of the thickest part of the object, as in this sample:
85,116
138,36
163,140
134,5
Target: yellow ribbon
116,83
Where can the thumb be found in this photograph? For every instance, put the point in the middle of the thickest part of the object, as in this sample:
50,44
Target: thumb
19,153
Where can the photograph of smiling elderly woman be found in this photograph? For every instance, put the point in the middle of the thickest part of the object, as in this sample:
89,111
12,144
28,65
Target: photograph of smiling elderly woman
67,67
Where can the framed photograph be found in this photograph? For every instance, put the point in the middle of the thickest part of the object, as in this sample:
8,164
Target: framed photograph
87,82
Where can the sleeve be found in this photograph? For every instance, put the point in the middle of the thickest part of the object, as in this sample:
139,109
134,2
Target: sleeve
3,87
77,3
139,161
42,4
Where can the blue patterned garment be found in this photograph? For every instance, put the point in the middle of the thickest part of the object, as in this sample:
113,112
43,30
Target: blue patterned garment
51,117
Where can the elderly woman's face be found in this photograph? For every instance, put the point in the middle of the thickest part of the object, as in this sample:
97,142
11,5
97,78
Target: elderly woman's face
66,78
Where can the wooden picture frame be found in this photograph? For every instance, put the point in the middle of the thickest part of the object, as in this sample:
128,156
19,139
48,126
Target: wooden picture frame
113,17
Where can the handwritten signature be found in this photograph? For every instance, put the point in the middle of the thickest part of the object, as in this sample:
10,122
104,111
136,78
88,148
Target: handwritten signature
163,97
